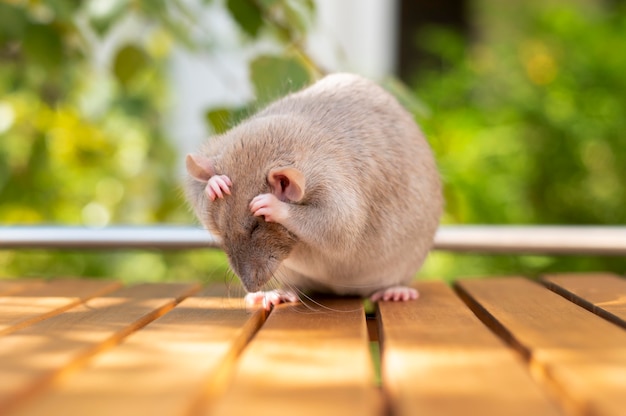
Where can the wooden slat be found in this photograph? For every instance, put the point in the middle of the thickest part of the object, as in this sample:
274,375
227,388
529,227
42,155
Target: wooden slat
579,355
439,359
9,287
42,301
165,368
601,293
306,361
31,357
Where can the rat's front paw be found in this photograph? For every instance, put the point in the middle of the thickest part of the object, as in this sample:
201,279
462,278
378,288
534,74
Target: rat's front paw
396,293
270,298
217,186
269,207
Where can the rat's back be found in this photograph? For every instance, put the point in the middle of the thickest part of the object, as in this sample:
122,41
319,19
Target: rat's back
368,158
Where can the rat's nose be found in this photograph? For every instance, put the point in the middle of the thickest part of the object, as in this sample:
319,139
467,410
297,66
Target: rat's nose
252,276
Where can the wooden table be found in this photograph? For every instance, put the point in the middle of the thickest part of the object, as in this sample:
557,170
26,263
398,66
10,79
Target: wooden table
496,346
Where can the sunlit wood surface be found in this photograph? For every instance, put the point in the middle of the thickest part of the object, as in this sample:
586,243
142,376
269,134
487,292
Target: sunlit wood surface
487,346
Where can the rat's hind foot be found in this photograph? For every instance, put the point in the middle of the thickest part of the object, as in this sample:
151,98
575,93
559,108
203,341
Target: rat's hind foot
217,186
270,298
396,293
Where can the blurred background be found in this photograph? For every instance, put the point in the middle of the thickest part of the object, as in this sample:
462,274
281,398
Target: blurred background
523,102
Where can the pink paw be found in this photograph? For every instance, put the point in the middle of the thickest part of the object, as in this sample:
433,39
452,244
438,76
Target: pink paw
268,207
217,186
270,298
396,293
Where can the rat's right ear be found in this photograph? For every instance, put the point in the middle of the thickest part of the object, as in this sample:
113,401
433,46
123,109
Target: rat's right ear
287,184
199,167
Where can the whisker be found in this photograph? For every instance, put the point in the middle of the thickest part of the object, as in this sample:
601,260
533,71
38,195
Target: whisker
233,282
306,300
310,299
280,282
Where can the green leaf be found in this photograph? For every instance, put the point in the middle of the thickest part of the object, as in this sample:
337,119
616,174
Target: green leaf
222,119
267,4
104,14
43,46
310,5
219,119
274,76
12,22
129,61
247,15
298,15
64,10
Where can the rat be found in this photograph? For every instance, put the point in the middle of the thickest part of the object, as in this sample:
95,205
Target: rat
331,189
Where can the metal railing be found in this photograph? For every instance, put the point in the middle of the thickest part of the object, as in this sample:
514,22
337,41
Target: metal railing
561,240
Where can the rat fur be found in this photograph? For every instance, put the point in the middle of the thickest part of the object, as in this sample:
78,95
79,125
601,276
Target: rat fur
330,189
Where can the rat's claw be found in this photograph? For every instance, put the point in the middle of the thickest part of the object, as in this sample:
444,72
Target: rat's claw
217,186
258,202
254,299
270,298
396,293
269,207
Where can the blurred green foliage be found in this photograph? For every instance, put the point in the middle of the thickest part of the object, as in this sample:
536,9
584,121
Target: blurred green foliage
82,139
525,121
528,124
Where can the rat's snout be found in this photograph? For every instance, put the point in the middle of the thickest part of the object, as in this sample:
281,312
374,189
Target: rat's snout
252,265
255,256
253,275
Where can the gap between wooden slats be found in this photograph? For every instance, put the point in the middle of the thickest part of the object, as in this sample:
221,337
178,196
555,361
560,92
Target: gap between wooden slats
31,357
164,369
45,300
580,356
306,360
439,359
601,293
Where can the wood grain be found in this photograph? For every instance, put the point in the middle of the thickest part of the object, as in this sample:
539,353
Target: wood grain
601,293
306,361
439,359
580,356
159,349
33,356
166,368
11,286
41,301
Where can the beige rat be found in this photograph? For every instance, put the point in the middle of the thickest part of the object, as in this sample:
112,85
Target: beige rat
331,189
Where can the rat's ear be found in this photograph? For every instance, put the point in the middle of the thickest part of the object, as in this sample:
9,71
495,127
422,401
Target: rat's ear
199,167
287,183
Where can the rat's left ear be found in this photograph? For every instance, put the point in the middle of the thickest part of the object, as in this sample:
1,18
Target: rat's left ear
287,184
199,167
